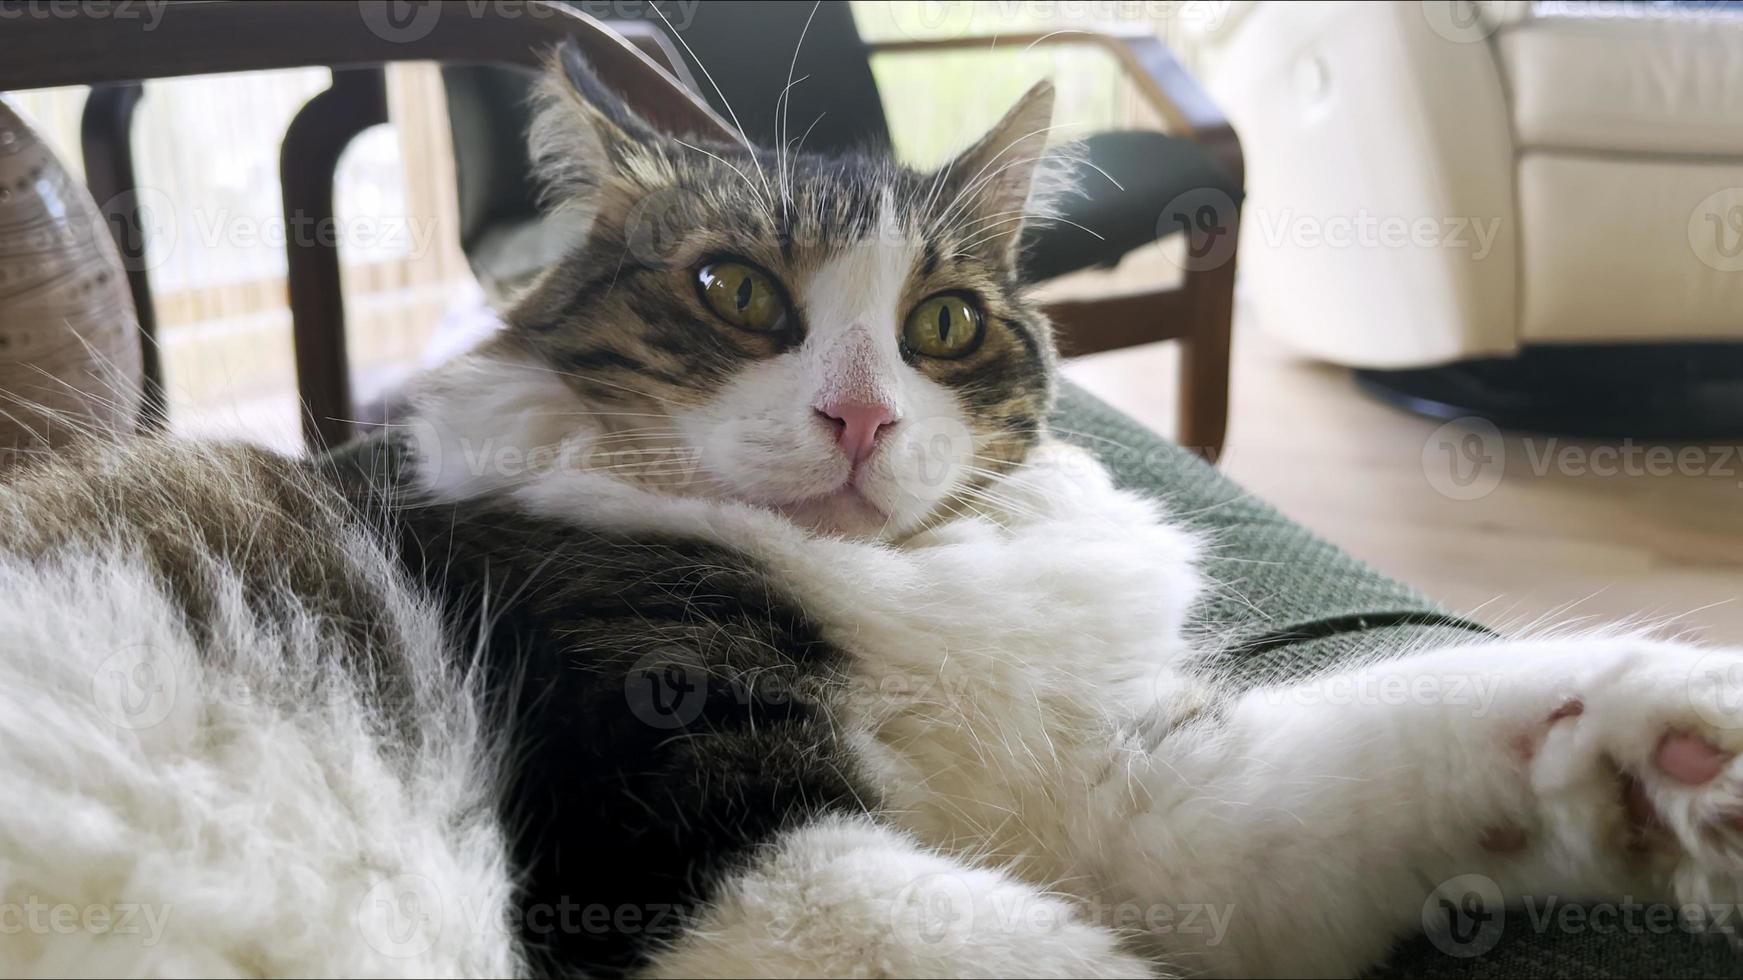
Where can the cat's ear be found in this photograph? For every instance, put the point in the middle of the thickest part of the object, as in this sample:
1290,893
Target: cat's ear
583,138
1008,177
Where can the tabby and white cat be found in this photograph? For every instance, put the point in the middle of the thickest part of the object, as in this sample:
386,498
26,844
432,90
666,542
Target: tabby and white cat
732,613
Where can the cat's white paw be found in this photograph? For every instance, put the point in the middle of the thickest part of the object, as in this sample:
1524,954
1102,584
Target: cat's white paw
1643,760
846,898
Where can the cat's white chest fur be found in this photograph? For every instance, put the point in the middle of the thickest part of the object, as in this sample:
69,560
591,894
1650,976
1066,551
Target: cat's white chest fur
1006,669
1003,664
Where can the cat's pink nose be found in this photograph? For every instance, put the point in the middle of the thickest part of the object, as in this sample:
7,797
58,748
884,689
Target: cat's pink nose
857,425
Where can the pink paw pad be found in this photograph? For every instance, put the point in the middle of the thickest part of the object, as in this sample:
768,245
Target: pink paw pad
1571,708
1525,744
1689,759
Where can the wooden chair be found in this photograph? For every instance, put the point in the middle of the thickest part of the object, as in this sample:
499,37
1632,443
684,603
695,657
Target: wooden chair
638,59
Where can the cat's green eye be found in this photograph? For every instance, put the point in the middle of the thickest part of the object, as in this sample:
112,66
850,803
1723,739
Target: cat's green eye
742,295
947,325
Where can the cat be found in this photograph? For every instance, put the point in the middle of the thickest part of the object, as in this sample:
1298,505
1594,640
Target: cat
734,613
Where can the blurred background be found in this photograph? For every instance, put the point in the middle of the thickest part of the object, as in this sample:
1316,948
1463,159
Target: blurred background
207,151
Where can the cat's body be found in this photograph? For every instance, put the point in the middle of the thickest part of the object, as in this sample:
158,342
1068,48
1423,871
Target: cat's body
733,613
239,738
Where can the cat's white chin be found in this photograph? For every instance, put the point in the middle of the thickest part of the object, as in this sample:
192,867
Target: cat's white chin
844,511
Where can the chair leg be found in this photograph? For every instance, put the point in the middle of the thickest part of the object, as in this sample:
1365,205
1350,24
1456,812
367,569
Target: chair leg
1204,356
318,134
106,137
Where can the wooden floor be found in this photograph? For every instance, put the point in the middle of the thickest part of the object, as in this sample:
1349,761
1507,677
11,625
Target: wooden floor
1563,546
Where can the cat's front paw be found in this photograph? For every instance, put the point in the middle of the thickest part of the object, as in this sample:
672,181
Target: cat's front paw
844,897
1645,762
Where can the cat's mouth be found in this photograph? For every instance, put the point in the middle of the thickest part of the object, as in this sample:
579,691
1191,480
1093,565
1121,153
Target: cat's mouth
844,510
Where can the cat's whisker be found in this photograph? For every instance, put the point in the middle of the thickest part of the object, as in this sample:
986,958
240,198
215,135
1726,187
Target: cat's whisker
1000,501
986,176
626,436
784,103
782,176
646,457
762,198
800,149
1110,177
647,433
742,138
118,404
619,415
616,386
655,463
1013,212
976,187
983,177
1054,219
1007,464
119,381
21,425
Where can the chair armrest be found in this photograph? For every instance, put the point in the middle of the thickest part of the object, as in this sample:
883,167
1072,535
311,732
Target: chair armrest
198,38
1168,86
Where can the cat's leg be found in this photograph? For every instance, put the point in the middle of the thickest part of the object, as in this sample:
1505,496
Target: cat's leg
847,897
1319,818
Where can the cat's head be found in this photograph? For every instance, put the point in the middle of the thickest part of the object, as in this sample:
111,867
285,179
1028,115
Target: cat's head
838,338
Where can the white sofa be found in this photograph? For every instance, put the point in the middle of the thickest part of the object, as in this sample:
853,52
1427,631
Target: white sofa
1434,182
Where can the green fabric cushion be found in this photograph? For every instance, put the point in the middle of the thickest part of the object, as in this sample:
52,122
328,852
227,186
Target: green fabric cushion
1282,602
1286,604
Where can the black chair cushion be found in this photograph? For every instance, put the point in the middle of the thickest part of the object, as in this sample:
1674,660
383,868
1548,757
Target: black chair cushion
740,54
1163,178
